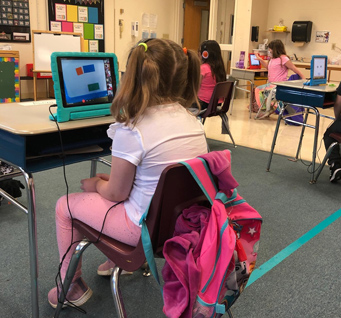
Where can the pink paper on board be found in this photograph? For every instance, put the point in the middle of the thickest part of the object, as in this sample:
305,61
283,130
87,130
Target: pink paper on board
67,27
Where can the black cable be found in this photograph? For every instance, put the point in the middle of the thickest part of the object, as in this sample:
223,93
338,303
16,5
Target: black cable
58,278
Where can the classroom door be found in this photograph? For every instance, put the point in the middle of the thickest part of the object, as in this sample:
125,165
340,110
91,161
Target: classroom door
196,22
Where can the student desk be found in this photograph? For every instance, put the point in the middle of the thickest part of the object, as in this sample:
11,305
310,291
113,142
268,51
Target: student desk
29,141
251,76
310,98
330,67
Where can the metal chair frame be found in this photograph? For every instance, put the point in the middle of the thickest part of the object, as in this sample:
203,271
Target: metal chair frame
337,137
222,91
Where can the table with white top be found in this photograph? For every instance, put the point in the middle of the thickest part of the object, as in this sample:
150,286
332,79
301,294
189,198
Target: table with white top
30,142
249,75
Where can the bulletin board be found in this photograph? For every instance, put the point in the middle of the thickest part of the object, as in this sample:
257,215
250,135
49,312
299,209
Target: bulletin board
14,21
9,77
79,16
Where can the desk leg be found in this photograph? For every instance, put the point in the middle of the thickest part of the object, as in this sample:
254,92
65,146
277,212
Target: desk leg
317,127
251,97
35,86
32,237
302,134
275,138
93,169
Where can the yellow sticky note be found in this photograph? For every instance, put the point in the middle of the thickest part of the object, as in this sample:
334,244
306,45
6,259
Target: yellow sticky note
85,45
71,13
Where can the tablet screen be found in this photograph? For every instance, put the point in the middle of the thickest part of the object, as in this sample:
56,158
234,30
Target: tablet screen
86,81
253,60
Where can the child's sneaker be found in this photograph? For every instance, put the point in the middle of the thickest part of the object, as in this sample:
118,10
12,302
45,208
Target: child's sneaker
335,172
78,294
106,269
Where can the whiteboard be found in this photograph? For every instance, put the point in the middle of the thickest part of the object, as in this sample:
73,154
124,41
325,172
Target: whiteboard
47,42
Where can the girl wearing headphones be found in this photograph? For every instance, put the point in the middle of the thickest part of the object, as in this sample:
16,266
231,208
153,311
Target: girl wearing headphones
212,70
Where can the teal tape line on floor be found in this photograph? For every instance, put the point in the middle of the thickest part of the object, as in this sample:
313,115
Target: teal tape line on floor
283,254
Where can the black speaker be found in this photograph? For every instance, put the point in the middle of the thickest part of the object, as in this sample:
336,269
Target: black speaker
301,31
254,33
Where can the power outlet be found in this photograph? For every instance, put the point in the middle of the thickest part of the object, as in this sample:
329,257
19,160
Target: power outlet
333,46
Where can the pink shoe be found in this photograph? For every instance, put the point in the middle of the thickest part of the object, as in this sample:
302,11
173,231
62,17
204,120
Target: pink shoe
106,269
78,294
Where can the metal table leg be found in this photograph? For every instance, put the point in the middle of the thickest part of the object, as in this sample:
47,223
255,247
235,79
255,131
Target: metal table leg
307,108
248,91
302,134
280,115
32,234
317,127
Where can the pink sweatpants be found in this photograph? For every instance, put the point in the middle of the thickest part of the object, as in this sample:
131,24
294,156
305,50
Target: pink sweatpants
90,208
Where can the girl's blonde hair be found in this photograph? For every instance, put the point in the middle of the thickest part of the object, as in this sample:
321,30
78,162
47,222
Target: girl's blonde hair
158,73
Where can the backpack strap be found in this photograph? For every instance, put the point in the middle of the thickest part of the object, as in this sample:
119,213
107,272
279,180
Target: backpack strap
148,248
202,175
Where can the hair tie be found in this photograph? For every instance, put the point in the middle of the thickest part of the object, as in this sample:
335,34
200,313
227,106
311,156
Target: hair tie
185,50
144,45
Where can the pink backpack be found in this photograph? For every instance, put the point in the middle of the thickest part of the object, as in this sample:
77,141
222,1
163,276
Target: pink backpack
229,249
207,283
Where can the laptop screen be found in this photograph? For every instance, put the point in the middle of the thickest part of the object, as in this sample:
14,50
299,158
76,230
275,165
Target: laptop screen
85,84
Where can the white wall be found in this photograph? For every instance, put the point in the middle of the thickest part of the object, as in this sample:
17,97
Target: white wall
325,17
133,11
242,30
264,13
259,17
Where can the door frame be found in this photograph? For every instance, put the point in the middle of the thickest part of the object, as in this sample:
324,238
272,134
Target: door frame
178,23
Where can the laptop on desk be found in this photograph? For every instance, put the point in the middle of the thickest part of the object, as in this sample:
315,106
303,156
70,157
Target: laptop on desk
84,84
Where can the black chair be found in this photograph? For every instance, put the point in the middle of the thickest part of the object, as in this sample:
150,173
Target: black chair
337,137
219,105
235,82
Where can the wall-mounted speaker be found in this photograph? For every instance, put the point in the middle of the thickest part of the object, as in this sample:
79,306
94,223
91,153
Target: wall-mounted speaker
254,33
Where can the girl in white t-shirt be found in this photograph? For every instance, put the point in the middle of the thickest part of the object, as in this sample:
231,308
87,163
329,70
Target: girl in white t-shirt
152,130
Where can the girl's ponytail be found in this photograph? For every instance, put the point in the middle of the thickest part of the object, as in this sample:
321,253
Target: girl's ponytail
193,79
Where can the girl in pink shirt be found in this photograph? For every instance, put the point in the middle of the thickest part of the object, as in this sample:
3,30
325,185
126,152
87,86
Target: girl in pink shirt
277,66
279,63
212,70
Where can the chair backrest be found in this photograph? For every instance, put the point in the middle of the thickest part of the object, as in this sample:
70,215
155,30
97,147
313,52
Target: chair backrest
220,99
336,136
175,191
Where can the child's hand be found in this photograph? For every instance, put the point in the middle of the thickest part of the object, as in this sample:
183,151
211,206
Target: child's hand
89,185
258,56
103,176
